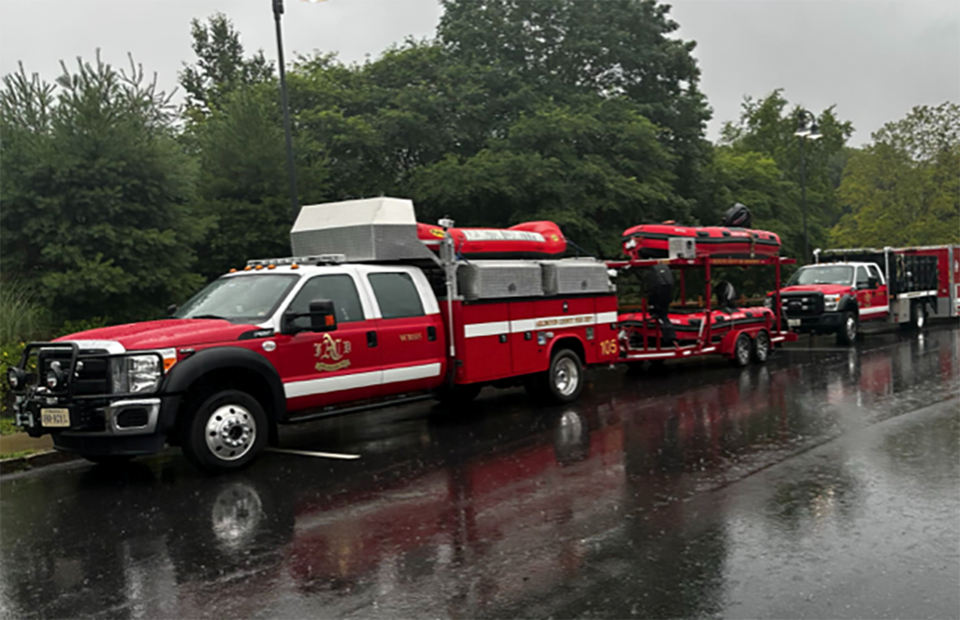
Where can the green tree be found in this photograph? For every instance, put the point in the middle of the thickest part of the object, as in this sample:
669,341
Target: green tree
220,67
594,169
904,188
563,49
766,127
93,184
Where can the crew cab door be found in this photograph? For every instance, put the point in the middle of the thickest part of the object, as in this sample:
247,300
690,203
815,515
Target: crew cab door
322,369
871,293
409,329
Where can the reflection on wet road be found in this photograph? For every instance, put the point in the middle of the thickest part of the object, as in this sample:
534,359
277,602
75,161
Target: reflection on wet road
825,484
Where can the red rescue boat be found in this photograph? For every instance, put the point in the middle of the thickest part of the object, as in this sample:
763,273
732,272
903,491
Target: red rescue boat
528,240
653,241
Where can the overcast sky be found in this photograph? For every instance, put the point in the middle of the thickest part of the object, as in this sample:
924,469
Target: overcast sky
873,59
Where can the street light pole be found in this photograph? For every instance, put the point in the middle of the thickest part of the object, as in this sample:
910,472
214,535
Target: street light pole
291,170
806,130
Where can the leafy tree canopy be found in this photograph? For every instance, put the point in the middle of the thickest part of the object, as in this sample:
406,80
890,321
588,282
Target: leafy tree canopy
93,185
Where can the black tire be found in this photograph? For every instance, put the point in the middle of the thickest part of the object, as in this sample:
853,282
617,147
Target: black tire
761,347
742,351
458,394
224,431
109,460
562,383
848,330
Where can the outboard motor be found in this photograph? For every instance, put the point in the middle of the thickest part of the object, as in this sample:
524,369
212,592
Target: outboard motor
659,296
737,216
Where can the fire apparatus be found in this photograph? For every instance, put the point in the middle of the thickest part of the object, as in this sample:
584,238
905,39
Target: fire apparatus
846,287
363,314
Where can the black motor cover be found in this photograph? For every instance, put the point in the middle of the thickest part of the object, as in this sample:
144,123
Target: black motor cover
659,289
737,216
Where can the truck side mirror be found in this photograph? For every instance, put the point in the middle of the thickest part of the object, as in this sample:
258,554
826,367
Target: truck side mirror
323,318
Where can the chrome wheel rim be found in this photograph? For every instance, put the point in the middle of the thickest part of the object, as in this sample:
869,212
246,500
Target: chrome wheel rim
851,328
230,432
743,349
566,376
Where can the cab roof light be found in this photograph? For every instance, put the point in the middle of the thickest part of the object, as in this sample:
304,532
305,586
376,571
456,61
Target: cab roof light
313,259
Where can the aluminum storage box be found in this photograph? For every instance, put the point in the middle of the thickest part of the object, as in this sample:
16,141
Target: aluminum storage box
493,279
366,230
573,276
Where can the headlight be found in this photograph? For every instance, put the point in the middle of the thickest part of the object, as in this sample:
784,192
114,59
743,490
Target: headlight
830,302
15,378
136,373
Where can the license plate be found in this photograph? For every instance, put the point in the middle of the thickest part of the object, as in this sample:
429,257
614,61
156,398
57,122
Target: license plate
793,322
55,417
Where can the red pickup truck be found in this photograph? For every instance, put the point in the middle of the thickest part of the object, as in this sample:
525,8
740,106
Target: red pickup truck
377,319
848,287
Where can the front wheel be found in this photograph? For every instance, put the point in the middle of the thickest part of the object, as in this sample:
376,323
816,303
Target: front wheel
847,333
563,382
224,431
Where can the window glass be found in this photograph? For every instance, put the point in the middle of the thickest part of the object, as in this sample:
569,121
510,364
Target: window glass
396,294
862,279
245,298
874,273
340,289
823,274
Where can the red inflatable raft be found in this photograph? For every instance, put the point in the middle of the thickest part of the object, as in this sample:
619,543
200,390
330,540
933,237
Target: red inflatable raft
653,241
688,326
528,240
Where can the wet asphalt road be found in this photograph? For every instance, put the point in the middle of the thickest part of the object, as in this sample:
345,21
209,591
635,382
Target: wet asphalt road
825,484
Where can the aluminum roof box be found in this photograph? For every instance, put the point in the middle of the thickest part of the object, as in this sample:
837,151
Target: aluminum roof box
495,279
575,276
365,230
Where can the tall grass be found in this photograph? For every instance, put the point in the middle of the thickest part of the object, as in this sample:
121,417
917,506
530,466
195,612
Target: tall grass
22,315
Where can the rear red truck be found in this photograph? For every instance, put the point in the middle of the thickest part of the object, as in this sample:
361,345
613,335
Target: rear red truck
362,315
849,287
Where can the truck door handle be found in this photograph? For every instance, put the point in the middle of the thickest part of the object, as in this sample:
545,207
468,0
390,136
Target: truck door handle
431,333
371,339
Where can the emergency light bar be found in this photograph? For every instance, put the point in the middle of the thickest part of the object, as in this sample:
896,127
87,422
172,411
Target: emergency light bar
315,259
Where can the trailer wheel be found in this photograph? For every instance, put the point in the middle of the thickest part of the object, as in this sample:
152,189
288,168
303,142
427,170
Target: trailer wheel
563,382
742,351
847,332
761,347
223,431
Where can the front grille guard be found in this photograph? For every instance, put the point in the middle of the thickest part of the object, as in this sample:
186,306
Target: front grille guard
33,386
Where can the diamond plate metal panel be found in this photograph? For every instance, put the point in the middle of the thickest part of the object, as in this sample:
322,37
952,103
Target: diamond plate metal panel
499,279
575,277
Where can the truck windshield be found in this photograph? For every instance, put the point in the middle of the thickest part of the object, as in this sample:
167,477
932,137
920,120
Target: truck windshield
823,274
242,299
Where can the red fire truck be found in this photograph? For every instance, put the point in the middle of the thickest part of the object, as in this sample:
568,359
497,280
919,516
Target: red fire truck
364,314
846,287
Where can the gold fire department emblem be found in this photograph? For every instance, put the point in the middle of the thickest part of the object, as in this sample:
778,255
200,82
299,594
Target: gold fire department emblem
333,350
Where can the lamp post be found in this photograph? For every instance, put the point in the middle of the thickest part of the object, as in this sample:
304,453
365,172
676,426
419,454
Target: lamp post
291,169
806,130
